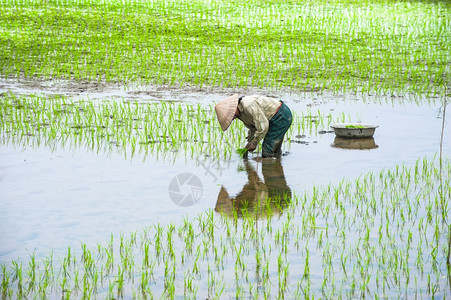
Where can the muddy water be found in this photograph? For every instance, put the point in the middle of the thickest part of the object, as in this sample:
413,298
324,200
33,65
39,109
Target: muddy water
54,199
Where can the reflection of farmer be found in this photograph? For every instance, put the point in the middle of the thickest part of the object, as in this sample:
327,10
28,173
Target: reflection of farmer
258,197
265,117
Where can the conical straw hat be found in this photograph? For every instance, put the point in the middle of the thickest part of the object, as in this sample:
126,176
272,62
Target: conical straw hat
225,110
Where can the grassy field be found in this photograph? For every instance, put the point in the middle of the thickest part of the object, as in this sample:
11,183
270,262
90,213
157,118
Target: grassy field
384,47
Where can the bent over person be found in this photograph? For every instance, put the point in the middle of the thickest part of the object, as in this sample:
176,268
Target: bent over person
266,118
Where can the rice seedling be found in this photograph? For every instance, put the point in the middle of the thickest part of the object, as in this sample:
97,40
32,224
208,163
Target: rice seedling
131,129
366,47
327,230
387,233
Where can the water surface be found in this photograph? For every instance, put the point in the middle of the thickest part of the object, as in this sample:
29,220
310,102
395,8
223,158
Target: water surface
55,198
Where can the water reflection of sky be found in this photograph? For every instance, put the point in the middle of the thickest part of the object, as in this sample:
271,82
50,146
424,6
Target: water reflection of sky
51,200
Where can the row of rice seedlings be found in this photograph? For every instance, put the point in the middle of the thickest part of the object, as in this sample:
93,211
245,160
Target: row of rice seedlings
161,129
365,46
362,238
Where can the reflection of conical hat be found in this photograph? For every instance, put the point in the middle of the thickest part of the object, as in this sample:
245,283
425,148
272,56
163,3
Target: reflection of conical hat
225,110
224,203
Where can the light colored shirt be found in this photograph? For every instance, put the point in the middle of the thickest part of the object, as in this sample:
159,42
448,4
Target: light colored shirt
255,112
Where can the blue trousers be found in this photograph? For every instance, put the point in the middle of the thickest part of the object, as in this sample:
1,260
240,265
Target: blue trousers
278,126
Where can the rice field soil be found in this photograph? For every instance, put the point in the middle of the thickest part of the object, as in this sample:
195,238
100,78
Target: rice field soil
384,47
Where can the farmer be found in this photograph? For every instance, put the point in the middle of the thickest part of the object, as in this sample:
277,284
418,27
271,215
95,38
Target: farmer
266,118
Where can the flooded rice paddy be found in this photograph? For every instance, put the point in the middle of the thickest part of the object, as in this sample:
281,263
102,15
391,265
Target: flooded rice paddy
114,185
66,198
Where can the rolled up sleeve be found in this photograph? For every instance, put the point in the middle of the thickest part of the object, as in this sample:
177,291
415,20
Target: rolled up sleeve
250,134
